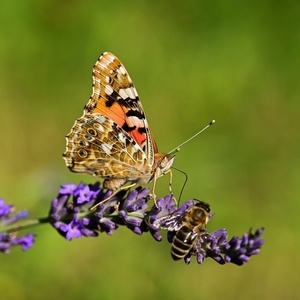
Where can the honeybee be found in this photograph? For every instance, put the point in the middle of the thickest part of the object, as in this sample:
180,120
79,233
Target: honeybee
193,226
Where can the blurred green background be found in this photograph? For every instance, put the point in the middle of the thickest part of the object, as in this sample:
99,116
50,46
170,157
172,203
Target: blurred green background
191,61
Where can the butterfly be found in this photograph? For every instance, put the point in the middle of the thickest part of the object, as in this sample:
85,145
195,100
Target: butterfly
112,139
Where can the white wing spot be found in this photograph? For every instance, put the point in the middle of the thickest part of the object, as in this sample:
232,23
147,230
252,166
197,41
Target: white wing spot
123,94
135,121
106,148
122,70
108,89
130,92
121,137
101,119
107,78
99,127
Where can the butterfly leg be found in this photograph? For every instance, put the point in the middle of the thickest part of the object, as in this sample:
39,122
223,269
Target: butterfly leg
153,195
122,188
170,183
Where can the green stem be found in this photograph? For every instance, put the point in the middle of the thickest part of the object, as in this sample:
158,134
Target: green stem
27,224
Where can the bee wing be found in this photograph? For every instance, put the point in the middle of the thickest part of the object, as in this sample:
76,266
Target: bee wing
171,222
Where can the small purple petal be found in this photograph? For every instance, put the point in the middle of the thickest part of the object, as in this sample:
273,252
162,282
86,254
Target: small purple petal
85,194
4,208
68,189
25,241
107,225
200,258
9,240
156,235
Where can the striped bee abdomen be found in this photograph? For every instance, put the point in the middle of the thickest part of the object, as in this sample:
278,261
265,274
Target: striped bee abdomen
182,242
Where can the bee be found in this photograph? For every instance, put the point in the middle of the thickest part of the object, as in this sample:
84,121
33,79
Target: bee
192,226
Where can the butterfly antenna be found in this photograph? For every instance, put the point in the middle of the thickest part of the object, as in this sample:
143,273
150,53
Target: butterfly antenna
192,137
184,184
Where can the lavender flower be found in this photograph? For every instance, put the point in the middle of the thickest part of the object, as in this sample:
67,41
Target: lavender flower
70,212
239,250
7,238
71,215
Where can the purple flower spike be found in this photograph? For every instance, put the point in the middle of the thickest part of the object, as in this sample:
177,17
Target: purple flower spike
70,212
238,250
66,210
7,218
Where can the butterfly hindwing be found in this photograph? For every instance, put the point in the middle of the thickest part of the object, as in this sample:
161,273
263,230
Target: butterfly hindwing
98,146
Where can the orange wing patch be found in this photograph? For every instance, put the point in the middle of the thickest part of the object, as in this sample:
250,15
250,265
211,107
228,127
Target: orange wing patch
114,112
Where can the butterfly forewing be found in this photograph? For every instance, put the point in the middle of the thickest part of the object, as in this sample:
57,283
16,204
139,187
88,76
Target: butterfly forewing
115,96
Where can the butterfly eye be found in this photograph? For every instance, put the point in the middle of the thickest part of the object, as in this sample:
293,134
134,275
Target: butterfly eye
82,143
166,163
82,153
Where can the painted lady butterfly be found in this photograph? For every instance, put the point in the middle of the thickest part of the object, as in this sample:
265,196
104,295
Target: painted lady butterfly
112,139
